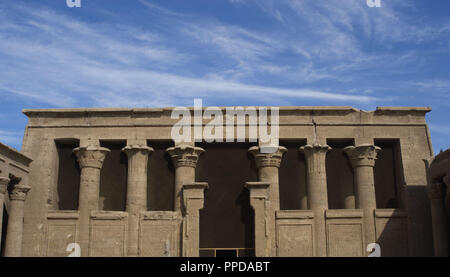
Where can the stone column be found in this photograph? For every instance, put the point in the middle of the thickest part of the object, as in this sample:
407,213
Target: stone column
193,200
14,231
259,200
3,186
90,159
268,165
363,159
317,192
436,193
185,159
136,192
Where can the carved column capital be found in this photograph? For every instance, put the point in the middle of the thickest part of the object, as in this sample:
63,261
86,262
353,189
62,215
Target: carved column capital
309,149
315,157
91,156
267,159
18,192
130,150
362,155
436,190
185,155
3,184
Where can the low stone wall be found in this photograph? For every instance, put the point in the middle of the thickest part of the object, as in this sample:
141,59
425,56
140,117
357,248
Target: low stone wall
295,233
159,233
344,233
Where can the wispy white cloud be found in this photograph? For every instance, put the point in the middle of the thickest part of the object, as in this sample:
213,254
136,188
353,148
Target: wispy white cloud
441,129
13,139
52,59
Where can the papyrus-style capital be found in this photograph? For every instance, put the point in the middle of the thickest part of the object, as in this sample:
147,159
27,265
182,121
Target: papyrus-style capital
91,156
362,155
131,150
185,155
267,159
3,184
310,150
315,157
19,192
436,190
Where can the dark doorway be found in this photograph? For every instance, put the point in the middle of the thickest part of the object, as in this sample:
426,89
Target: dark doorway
113,177
292,177
387,173
160,178
227,219
340,178
68,175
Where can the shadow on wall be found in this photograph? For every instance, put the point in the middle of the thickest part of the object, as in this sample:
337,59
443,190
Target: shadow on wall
113,177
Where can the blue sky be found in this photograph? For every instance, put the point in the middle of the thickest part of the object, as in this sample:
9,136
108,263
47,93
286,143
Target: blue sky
148,53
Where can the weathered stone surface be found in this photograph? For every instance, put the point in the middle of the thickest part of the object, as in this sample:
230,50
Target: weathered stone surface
392,236
295,233
108,234
160,234
345,233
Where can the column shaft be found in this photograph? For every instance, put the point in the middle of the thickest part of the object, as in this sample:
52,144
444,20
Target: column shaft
17,196
136,192
183,175
436,193
270,175
317,192
363,159
185,159
91,160
268,165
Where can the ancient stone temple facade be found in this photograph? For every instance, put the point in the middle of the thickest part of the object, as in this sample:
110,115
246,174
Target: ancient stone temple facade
114,182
